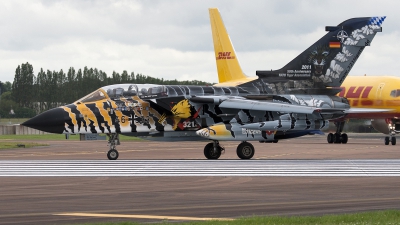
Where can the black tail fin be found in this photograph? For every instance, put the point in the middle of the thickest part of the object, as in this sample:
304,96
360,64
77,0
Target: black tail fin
329,60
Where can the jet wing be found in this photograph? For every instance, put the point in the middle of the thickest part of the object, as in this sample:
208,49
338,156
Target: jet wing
289,108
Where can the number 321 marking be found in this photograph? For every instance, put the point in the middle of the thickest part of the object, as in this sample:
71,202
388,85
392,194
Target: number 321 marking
189,124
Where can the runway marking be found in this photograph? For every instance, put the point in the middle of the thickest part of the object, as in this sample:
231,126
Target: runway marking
140,216
137,168
214,206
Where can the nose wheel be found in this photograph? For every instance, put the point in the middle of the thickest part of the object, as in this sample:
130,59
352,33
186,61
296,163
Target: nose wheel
112,154
113,141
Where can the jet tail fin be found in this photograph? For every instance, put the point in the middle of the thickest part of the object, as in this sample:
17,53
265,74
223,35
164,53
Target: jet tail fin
328,61
228,66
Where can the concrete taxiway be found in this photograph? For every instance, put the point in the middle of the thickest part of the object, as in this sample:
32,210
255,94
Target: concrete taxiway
105,196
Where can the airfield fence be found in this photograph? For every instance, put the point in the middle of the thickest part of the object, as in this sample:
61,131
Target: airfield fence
18,129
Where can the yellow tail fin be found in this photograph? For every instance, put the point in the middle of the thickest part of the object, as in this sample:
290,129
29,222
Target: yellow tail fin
227,63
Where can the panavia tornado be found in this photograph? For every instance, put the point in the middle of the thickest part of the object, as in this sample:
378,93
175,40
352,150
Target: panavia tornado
296,100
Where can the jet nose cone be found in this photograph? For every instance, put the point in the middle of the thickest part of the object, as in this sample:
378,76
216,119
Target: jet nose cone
51,121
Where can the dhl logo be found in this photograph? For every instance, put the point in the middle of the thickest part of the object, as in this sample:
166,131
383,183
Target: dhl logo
225,55
355,92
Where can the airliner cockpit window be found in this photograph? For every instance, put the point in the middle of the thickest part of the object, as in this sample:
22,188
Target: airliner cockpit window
94,96
395,93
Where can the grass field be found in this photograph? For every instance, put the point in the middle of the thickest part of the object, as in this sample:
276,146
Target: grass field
7,121
8,145
389,217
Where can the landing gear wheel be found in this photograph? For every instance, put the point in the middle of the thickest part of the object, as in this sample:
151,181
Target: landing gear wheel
344,138
245,150
336,138
387,140
275,141
112,154
393,140
329,138
209,152
113,141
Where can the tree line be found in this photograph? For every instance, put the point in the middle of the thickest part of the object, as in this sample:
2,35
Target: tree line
30,94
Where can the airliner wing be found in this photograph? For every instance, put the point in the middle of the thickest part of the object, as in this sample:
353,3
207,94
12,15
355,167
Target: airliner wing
366,110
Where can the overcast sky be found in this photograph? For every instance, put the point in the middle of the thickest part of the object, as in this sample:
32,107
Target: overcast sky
171,39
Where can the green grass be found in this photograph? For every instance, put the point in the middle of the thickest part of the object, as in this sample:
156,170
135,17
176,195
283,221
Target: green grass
8,145
56,137
388,217
38,137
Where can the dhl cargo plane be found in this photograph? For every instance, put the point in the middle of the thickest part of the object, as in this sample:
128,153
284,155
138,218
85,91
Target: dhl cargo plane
374,92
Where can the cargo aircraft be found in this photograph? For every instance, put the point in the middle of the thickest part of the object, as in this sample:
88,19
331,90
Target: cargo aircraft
297,100
376,92
379,92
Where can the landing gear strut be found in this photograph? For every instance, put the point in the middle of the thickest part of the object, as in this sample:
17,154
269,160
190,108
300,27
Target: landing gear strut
113,140
391,138
338,137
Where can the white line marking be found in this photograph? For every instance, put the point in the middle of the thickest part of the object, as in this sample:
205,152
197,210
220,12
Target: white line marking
139,216
139,168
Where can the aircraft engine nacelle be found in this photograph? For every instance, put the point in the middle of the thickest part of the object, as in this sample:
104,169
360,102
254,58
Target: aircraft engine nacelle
284,125
380,125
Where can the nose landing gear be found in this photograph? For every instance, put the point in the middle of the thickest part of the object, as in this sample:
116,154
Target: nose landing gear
113,140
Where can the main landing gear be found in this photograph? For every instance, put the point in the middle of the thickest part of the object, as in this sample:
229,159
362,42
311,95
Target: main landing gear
245,150
113,140
391,139
392,131
213,150
338,137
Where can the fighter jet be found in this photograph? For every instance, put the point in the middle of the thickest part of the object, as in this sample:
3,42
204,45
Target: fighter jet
297,100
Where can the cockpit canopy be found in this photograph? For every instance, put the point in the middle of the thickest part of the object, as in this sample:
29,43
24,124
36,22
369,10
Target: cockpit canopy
126,90
151,91
141,90
94,96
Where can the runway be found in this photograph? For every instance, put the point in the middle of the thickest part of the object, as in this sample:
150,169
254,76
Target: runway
121,168
71,182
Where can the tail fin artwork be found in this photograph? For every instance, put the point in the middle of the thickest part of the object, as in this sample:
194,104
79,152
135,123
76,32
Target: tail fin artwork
328,61
324,64
229,71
